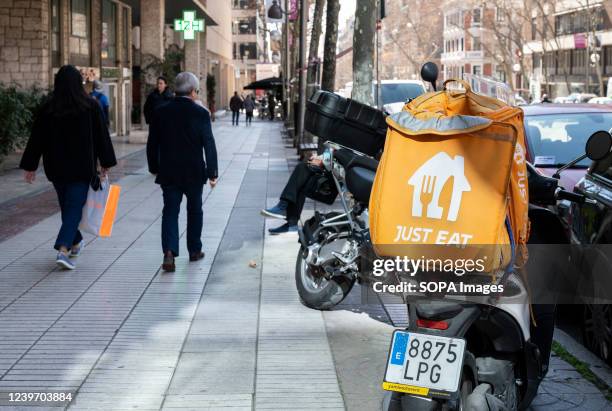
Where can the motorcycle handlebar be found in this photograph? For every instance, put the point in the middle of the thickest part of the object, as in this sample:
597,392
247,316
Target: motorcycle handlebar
568,195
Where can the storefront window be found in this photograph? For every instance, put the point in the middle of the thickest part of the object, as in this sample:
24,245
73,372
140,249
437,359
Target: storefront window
55,33
109,33
80,32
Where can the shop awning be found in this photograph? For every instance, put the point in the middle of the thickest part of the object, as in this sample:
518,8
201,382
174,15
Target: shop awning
265,84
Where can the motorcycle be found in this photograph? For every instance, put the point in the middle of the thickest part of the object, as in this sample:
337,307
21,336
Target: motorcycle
464,355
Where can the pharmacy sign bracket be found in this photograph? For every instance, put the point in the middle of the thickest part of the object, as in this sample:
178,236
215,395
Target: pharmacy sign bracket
189,25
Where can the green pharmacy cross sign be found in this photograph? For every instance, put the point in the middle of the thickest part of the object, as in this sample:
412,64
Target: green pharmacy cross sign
189,25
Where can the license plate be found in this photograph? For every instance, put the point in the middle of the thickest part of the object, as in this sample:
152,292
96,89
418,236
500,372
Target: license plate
423,364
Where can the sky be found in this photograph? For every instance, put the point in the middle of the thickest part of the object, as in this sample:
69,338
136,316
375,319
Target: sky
347,9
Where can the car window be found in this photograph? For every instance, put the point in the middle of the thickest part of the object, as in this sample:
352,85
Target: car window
399,92
557,139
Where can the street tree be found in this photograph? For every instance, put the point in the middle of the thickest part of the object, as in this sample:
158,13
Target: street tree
363,51
313,51
329,48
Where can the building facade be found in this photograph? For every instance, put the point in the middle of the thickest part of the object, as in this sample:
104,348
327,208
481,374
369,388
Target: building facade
484,39
37,37
124,43
410,35
463,31
247,43
569,47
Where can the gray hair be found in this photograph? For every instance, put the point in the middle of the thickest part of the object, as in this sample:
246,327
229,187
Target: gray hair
185,83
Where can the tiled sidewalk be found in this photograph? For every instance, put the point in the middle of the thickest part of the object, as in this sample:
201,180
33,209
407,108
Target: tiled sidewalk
217,333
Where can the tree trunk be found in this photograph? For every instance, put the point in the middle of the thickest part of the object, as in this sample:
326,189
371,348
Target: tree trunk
313,52
329,49
363,51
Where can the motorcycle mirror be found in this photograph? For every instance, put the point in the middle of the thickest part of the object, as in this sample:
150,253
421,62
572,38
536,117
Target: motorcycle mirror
429,73
598,145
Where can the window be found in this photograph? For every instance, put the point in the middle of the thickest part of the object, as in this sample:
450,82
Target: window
245,26
578,61
462,45
109,33
476,45
534,28
125,43
55,33
499,14
476,17
80,32
79,18
579,21
477,70
244,4
247,51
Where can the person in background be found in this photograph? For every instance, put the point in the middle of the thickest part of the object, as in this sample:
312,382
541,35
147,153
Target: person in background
98,94
272,103
159,96
545,98
235,106
175,157
70,135
291,202
249,106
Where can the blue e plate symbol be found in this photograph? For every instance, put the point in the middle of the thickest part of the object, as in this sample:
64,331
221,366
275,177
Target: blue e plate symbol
400,342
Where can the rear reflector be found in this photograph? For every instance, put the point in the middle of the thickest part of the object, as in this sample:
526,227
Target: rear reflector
435,325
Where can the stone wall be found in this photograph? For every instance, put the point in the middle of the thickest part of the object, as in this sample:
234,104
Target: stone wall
24,42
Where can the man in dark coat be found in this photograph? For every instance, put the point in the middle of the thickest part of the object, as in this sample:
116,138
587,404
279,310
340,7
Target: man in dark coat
235,106
157,97
179,131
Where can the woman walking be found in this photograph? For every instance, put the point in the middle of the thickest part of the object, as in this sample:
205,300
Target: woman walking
70,135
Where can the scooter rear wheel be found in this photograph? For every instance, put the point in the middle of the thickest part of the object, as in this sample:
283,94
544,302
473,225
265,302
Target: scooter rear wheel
315,289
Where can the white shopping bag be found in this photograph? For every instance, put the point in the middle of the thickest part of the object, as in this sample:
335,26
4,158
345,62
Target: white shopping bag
100,209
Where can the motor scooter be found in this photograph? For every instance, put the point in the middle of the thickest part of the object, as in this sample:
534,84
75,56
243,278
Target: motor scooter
458,355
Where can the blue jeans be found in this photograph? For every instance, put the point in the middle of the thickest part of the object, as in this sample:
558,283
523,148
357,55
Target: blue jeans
173,195
72,198
235,117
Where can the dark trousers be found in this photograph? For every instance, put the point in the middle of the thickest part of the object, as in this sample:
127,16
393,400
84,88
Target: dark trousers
296,189
235,116
72,198
173,195
249,117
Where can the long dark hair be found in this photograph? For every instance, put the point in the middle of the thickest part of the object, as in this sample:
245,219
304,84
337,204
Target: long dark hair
69,96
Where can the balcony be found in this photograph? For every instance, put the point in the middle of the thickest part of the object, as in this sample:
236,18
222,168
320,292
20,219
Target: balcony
462,55
474,54
453,56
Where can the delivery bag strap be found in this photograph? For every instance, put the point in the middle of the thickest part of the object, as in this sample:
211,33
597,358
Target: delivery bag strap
465,84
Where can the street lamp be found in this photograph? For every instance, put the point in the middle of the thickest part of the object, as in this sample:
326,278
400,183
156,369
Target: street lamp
275,12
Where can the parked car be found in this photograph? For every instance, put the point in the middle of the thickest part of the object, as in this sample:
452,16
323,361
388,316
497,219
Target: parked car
577,98
561,100
394,93
556,132
591,229
600,100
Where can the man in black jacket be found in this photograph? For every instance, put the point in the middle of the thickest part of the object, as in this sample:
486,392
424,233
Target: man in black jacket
157,97
179,131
